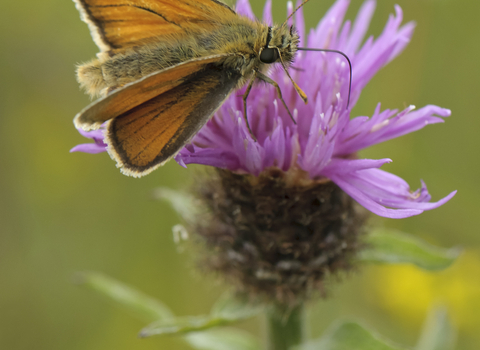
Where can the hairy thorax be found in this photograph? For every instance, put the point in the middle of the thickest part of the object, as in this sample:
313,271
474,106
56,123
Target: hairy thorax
113,70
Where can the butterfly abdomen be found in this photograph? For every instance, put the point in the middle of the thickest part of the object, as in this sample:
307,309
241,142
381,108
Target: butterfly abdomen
90,77
100,76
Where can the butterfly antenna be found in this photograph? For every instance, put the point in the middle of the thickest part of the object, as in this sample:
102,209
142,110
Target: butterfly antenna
340,53
298,7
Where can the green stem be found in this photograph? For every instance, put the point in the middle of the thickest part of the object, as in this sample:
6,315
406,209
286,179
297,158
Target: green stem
285,327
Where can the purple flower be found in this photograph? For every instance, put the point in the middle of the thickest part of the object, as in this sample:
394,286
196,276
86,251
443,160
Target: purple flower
325,141
97,147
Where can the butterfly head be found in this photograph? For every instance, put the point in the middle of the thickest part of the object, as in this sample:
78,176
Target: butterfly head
280,45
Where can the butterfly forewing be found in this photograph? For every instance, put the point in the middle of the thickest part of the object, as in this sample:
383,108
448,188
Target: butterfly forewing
118,24
148,135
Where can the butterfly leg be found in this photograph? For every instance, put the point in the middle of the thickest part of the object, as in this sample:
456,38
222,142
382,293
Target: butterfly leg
266,79
245,96
297,69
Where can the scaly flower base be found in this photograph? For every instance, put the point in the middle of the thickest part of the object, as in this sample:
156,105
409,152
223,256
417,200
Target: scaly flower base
277,236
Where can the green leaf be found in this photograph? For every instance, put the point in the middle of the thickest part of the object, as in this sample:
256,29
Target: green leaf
182,203
234,309
181,325
393,247
223,339
144,306
350,336
224,312
437,333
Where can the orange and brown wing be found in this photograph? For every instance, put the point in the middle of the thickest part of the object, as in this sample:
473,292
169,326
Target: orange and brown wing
145,137
117,24
131,95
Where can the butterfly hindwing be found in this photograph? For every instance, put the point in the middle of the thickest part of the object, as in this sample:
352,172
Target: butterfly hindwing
131,95
118,24
148,135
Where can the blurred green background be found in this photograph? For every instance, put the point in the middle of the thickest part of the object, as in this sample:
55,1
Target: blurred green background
61,212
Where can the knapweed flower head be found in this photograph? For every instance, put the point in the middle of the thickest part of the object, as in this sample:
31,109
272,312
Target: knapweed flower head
325,141
286,209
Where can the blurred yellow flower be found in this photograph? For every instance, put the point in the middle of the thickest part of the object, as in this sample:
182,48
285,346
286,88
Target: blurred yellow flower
408,292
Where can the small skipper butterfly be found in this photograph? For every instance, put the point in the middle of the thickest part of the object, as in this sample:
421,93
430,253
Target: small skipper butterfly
166,66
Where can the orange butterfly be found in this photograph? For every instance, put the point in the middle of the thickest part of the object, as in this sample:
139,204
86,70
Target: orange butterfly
165,67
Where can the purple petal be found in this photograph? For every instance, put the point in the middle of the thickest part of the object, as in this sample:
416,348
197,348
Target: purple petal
404,34
179,160
243,8
362,197
97,147
215,158
267,13
300,23
94,134
383,126
328,26
289,12
91,148
254,158
341,166
360,26
376,189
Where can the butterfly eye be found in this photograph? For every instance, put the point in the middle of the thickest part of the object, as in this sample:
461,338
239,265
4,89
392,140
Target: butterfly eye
269,55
